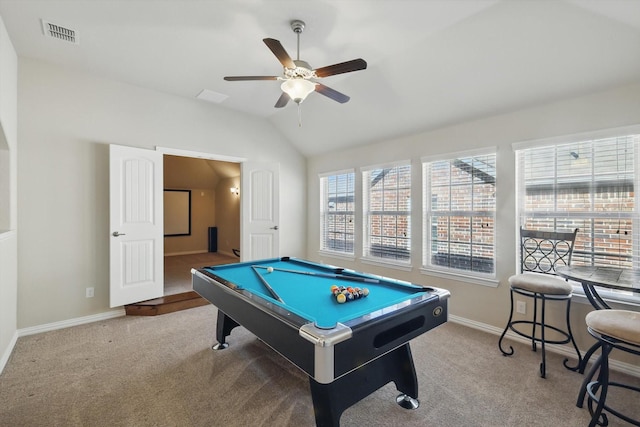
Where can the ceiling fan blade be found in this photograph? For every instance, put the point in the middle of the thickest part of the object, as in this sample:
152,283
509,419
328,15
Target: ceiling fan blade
343,67
279,52
332,93
282,101
242,78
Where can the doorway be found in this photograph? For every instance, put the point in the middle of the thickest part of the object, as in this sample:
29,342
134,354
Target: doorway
214,218
136,258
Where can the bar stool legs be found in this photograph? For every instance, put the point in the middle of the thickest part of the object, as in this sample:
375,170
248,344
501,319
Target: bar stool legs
539,335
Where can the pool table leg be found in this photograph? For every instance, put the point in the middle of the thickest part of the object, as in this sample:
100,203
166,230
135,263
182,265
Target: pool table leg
330,400
224,326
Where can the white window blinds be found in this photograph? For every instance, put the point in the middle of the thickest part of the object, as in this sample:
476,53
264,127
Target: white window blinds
387,213
336,212
587,185
459,214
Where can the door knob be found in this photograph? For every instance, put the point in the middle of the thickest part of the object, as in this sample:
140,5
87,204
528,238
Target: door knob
275,227
116,234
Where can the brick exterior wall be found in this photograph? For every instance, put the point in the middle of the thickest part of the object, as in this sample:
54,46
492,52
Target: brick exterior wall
460,239
467,242
601,240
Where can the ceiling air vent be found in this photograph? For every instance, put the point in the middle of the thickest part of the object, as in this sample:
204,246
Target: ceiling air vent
59,32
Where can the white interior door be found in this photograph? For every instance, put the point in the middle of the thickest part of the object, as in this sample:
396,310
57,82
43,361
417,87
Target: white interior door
136,225
260,194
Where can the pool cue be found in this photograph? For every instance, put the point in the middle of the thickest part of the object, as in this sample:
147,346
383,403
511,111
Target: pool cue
390,283
266,284
331,276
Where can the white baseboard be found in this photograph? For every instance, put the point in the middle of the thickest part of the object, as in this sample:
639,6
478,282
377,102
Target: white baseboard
615,365
7,353
53,326
71,322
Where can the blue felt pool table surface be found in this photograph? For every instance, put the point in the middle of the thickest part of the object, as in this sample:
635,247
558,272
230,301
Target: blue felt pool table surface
309,296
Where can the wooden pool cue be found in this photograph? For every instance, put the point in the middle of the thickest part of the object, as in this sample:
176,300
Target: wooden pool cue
331,276
266,285
390,283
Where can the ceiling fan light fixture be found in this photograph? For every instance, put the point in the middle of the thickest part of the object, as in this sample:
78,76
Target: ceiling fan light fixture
298,89
298,78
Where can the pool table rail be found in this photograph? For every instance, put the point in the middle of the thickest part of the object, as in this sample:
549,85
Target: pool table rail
250,297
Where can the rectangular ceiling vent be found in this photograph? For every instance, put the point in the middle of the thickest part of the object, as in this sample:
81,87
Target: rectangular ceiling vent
59,32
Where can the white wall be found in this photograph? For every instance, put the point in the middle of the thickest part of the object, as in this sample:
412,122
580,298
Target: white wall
8,238
67,120
478,303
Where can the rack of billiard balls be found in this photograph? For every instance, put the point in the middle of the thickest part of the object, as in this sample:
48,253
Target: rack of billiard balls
346,294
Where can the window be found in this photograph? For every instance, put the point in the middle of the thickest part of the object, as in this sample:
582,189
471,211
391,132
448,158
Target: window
587,185
336,212
459,214
386,212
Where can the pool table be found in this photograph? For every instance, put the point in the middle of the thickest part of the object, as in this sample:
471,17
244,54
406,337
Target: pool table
349,350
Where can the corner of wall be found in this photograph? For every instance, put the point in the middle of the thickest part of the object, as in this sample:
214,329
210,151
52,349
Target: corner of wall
7,352
8,191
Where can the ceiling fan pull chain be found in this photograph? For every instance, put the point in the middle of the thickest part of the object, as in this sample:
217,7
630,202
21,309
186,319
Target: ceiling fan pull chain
299,116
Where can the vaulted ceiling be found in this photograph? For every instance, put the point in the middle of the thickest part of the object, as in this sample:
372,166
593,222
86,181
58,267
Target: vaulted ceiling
187,172
430,63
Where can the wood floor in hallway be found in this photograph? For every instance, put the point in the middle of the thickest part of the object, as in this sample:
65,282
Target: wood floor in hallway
177,269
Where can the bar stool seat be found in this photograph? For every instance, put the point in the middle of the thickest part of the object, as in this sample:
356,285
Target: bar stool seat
622,325
541,283
619,329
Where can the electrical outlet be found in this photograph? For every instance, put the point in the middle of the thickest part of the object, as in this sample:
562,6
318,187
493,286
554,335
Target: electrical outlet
521,307
89,292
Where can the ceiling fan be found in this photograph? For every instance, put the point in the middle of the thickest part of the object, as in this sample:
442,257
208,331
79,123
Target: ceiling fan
298,79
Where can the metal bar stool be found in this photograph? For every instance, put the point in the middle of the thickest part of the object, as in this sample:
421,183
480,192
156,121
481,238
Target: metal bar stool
619,329
540,253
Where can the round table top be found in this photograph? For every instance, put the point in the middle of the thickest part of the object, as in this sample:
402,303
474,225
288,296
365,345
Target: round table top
625,279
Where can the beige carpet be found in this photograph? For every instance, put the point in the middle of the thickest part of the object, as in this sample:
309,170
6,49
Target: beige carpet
160,371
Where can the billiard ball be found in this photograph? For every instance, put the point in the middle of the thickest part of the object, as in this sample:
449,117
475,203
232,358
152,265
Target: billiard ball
349,296
365,292
269,269
341,298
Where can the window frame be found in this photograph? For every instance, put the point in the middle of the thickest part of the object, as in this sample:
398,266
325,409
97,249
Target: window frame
615,297
366,214
475,277
324,211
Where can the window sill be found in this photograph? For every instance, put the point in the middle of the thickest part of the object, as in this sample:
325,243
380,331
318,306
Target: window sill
337,255
476,280
387,264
